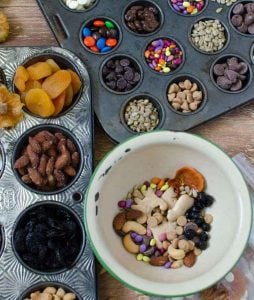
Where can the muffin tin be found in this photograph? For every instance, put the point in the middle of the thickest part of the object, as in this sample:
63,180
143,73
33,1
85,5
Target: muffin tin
108,105
15,277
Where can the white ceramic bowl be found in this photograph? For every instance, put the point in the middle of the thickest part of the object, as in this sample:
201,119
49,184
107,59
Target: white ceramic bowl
160,154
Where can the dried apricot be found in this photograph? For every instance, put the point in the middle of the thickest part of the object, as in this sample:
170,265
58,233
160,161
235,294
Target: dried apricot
59,103
190,177
32,84
75,81
39,103
54,66
39,70
69,96
22,73
55,84
19,84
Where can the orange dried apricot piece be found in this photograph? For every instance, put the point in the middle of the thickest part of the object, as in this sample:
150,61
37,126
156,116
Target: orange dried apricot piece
39,70
19,84
39,103
69,96
190,177
59,103
75,81
32,84
22,73
55,84
54,66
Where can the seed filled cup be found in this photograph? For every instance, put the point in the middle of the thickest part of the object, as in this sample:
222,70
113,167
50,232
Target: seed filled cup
164,55
48,237
101,35
47,159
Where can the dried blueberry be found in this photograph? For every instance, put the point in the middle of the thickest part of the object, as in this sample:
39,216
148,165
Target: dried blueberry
202,245
189,234
205,199
206,227
203,236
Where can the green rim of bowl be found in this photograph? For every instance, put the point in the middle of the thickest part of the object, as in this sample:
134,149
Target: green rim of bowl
109,270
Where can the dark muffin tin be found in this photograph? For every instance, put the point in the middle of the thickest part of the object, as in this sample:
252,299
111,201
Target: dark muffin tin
107,104
15,276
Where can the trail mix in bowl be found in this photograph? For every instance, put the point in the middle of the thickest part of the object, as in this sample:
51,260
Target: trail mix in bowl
163,221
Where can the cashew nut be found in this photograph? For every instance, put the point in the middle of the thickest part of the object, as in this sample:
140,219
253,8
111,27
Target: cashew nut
182,205
129,245
176,253
60,292
50,290
55,297
184,245
69,296
133,226
177,264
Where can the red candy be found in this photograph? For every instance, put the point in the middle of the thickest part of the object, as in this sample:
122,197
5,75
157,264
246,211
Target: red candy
99,23
94,49
111,42
89,41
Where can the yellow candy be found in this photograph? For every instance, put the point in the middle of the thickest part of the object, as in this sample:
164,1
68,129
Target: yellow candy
146,259
153,186
166,70
194,11
186,4
152,242
157,55
140,257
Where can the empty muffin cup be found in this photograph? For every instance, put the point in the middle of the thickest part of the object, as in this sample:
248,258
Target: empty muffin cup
143,17
231,73
186,94
142,113
67,81
47,159
164,55
209,36
121,74
100,35
241,17
48,237
189,8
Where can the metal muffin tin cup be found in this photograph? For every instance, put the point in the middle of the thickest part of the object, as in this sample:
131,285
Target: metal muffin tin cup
23,141
2,160
226,31
15,278
230,14
189,15
2,240
144,3
193,79
55,205
222,59
89,22
79,10
42,285
135,63
64,63
153,100
164,38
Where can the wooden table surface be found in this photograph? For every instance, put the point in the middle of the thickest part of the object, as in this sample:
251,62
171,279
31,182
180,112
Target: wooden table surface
233,131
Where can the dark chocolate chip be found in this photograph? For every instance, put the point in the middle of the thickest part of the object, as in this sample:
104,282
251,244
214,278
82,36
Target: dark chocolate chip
236,86
124,62
219,69
237,20
238,9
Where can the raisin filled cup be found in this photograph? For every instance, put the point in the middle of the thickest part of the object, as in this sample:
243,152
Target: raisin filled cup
48,84
48,237
47,159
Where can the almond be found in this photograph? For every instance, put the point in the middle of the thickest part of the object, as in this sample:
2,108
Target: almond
158,260
133,214
189,259
119,221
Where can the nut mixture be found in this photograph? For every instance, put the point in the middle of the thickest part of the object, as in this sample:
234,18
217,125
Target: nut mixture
225,2
141,115
243,17
49,161
232,74
208,35
142,19
163,222
52,293
185,96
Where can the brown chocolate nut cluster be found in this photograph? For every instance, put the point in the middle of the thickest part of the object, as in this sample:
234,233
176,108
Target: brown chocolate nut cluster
49,161
142,19
231,75
243,17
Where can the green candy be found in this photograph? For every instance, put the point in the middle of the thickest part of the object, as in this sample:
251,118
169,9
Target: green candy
109,24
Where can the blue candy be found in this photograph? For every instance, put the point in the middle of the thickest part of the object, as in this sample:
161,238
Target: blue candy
105,49
86,32
101,43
